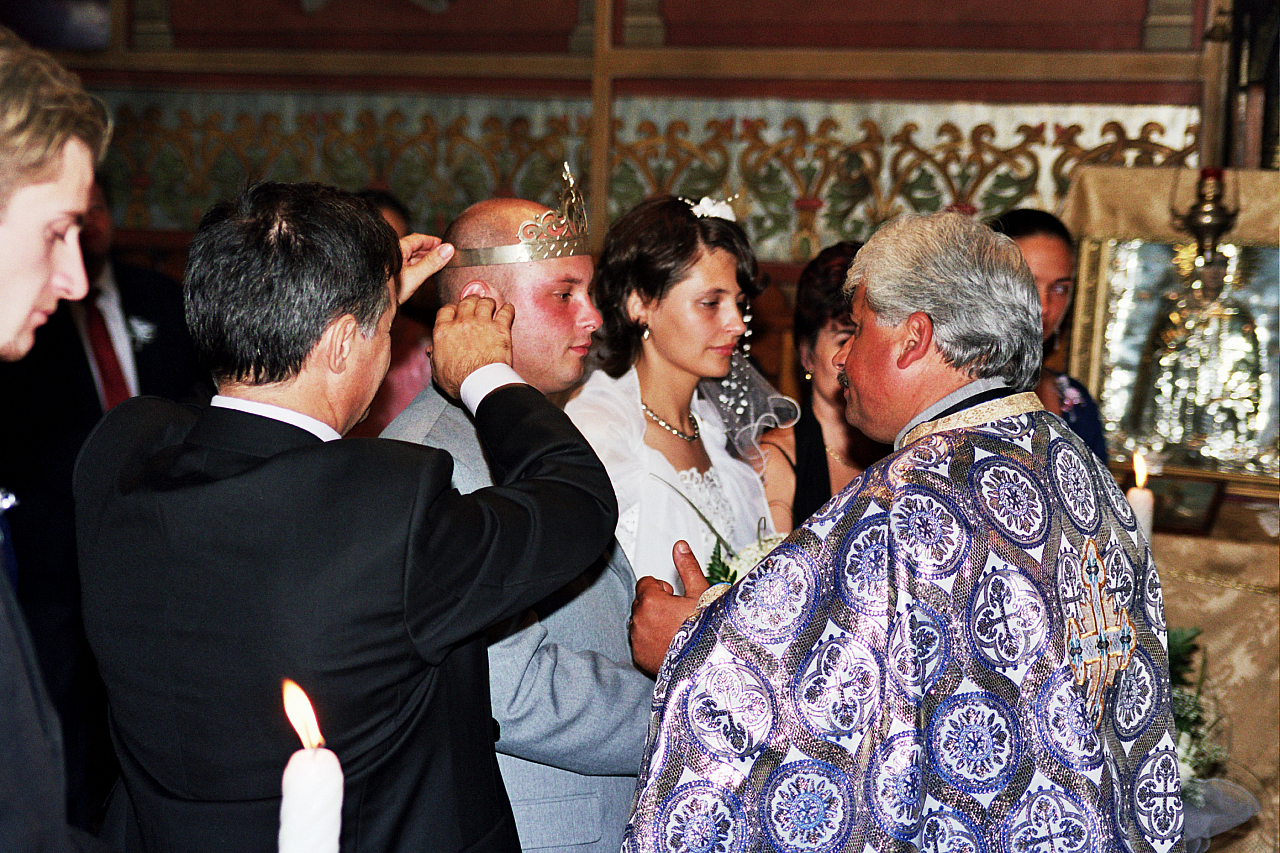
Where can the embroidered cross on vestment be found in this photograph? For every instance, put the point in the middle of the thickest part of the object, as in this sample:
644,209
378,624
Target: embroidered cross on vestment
1100,640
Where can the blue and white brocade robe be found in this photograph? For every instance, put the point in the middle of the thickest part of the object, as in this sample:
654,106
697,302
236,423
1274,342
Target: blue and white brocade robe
964,650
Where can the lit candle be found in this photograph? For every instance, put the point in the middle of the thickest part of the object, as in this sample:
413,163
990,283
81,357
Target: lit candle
311,790
1141,498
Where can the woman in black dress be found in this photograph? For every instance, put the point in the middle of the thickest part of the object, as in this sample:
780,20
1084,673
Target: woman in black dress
807,463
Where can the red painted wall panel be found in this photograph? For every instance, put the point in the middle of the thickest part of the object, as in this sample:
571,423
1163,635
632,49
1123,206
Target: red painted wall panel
957,24
504,26
516,26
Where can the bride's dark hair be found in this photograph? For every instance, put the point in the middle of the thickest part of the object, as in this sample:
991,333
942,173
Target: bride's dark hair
648,250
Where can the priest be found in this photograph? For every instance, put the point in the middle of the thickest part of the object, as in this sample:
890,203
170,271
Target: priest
965,648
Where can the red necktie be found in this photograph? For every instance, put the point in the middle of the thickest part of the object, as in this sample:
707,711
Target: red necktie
115,389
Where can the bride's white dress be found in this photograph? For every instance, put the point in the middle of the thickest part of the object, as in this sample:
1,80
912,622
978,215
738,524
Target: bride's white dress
656,503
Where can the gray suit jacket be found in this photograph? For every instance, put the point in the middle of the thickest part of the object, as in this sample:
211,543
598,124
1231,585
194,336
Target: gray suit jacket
572,709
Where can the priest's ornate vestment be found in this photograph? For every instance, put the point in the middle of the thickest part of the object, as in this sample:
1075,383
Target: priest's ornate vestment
964,650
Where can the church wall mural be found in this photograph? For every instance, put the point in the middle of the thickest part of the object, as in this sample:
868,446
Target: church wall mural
801,173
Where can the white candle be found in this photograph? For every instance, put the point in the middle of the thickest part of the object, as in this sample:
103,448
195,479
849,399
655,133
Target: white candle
311,789
1141,499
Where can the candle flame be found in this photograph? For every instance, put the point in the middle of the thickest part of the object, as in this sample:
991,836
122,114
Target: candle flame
297,707
1139,470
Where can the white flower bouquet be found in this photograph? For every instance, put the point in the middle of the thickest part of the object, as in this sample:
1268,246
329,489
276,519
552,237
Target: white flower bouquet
727,570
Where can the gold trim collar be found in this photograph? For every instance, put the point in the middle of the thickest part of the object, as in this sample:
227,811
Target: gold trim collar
992,410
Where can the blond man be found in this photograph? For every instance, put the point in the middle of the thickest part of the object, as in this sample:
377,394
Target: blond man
51,134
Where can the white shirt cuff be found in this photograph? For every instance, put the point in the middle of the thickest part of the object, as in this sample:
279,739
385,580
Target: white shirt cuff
485,379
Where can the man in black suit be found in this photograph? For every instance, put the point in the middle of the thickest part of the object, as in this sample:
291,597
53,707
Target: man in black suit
225,549
127,337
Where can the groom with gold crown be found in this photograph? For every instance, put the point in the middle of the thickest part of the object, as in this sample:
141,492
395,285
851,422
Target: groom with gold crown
964,650
569,707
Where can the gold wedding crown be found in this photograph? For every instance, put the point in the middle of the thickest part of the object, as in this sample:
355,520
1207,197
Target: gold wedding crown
555,234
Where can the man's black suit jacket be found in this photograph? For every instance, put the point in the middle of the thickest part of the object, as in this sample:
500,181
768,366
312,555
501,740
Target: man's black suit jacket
32,783
222,552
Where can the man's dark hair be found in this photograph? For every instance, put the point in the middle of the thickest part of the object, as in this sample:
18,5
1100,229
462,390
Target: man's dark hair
271,270
651,248
385,199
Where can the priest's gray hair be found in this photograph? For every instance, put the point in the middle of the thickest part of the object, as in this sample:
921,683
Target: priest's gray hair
972,282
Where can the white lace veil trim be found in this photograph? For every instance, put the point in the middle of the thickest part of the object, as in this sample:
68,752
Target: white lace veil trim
749,406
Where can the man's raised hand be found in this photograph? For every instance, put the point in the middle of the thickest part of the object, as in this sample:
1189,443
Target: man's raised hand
424,256
469,335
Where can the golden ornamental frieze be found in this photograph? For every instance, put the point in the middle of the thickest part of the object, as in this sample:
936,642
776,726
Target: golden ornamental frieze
1119,149
665,160
802,175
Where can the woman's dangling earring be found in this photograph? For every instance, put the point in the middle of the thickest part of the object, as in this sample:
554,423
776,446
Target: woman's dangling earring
645,333
808,377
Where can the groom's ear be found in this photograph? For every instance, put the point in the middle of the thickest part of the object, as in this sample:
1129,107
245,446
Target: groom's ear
480,287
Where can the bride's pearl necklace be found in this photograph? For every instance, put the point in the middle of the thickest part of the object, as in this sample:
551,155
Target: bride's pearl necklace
669,428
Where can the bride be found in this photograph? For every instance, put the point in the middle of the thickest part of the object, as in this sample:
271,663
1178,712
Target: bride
670,286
